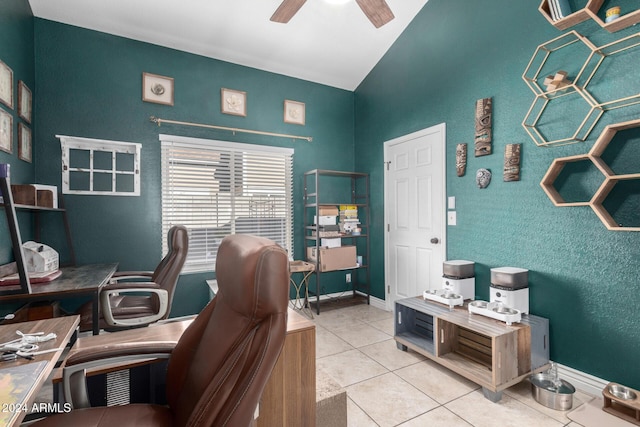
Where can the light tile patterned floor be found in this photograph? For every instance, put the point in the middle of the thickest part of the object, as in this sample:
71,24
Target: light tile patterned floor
389,387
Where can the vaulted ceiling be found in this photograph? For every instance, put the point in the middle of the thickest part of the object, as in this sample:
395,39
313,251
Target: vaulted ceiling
325,42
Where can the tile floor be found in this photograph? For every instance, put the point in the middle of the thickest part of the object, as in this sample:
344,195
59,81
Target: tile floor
389,387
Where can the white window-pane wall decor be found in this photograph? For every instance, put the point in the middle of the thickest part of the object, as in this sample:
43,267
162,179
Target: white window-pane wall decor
100,167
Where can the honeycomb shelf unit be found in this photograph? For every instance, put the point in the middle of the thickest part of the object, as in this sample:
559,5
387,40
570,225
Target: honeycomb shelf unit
585,64
610,178
591,10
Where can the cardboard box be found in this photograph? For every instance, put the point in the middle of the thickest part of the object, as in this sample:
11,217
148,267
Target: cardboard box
328,210
331,242
333,258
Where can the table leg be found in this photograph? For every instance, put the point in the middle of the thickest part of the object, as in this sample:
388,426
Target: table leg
95,317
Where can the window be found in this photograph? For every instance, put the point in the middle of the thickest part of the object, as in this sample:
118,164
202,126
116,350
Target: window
217,188
96,166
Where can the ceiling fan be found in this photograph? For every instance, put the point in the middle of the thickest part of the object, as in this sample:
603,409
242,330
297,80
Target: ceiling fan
377,11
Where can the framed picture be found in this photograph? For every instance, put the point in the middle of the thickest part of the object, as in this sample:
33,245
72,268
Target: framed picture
24,143
233,102
158,89
6,85
6,131
294,112
24,102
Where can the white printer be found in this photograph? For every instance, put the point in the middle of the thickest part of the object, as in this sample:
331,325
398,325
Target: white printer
39,258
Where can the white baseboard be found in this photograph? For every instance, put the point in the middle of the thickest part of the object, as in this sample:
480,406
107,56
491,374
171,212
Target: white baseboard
582,381
378,303
373,301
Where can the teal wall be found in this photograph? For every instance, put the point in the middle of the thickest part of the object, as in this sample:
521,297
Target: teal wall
16,50
582,277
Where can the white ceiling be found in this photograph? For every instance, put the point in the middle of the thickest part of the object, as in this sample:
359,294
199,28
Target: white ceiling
335,45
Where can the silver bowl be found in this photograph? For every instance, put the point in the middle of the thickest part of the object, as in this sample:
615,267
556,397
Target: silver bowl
479,304
621,392
505,310
450,295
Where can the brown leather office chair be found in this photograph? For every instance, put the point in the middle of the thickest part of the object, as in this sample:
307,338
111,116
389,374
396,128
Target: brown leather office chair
126,304
219,367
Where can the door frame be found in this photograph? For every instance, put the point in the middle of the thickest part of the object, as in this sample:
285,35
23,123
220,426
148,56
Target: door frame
439,128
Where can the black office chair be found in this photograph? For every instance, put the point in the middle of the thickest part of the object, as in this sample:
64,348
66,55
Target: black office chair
126,304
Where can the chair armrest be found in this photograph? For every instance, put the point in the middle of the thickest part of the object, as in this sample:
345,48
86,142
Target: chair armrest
74,373
127,275
147,286
134,287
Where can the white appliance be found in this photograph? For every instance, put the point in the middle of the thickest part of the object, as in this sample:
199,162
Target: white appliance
510,286
458,283
508,294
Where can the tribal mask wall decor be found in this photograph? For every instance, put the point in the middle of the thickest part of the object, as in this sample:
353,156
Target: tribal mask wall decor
483,138
512,162
461,159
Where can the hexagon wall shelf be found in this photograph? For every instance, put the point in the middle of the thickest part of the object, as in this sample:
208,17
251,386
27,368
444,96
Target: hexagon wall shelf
544,53
576,17
576,130
607,53
590,10
610,178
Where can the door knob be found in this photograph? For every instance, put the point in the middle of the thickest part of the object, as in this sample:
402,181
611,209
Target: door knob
435,240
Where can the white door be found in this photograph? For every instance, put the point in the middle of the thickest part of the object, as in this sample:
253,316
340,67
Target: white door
414,213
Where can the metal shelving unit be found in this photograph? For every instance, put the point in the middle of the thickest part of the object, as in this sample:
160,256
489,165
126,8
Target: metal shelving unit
10,209
315,195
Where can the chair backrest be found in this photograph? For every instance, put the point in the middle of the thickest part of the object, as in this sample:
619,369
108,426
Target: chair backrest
168,271
222,362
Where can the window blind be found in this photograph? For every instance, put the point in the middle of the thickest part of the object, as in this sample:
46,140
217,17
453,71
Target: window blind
217,188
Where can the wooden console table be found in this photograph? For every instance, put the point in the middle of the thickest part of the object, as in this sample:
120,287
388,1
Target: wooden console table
481,349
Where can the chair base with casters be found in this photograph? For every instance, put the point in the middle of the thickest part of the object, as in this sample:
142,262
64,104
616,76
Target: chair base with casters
218,369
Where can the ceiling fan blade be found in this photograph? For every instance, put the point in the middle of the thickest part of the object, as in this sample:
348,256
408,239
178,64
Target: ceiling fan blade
286,10
377,11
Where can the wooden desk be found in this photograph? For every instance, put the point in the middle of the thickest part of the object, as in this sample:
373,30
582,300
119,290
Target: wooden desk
83,280
20,380
289,397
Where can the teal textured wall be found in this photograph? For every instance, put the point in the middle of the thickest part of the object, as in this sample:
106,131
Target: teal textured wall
582,277
90,86
16,50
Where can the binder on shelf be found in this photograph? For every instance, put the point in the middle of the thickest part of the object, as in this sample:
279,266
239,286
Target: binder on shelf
553,9
564,9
